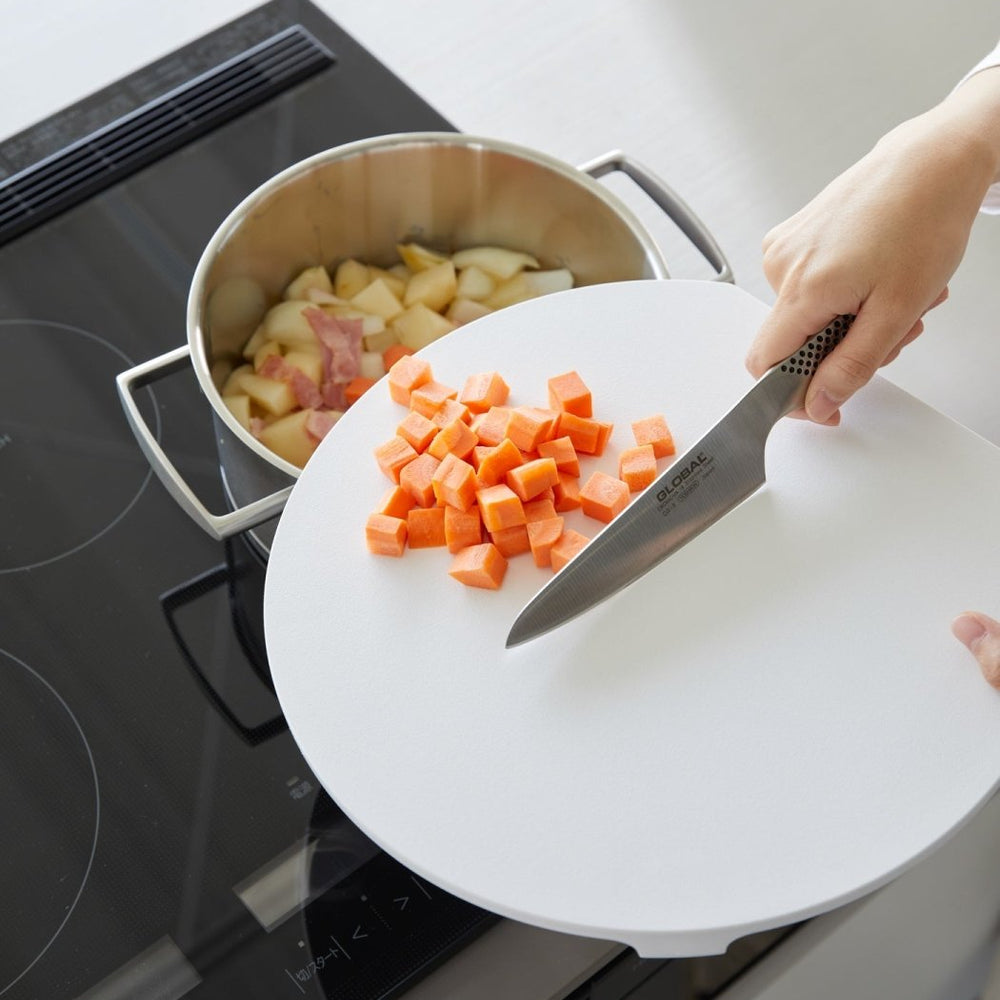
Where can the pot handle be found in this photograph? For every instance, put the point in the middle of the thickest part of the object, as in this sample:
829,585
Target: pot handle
219,526
671,203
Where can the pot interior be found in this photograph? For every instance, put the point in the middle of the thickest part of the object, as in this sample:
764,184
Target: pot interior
446,192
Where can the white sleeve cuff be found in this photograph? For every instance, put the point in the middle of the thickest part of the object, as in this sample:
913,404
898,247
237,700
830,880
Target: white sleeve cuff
991,203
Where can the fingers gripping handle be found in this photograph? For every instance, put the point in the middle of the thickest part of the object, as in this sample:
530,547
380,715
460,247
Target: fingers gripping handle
789,379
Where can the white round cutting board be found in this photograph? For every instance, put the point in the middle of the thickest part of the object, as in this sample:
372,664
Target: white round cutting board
774,721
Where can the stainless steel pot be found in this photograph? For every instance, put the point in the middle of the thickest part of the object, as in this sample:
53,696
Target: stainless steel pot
446,190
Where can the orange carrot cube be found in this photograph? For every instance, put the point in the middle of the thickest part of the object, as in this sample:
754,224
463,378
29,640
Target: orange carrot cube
570,542
588,436
456,438
415,477
429,397
491,426
567,493
451,409
653,430
512,541
479,566
393,455
393,353
395,502
462,527
484,390
425,527
542,535
568,393
530,479
562,450
500,507
454,482
385,535
356,388
637,467
405,375
540,509
416,429
529,425
497,462
603,496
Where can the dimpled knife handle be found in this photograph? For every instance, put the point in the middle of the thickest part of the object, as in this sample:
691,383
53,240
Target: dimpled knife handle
806,359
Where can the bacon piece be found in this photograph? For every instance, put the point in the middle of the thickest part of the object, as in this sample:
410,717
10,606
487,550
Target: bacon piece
307,395
319,422
342,339
334,395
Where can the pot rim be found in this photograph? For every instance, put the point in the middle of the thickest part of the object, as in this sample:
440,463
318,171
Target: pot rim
195,333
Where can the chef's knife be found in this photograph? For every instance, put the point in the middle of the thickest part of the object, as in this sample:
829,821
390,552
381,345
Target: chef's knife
709,480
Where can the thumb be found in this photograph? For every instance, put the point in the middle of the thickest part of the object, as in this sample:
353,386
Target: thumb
875,333
982,635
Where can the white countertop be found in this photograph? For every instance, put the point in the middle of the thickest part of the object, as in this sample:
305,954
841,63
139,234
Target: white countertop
746,110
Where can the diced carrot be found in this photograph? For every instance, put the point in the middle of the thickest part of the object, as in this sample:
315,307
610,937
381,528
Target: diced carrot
451,409
530,479
425,527
500,507
393,353
654,430
429,397
604,432
542,535
393,456
454,482
395,502
512,541
405,375
570,542
548,493
462,527
356,388
637,467
416,429
478,454
456,438
603,496
562,450
415,477
385,535
480,565
491,426
582,432
484,390
569,394
497,462
567,493
539,510
529,425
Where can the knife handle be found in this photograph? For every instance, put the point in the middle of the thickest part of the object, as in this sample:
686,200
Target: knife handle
783,388
806,359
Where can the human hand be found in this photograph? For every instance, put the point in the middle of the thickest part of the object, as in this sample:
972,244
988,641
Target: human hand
881,241
982,635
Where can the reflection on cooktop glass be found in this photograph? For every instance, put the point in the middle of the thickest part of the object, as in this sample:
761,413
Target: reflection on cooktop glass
162,835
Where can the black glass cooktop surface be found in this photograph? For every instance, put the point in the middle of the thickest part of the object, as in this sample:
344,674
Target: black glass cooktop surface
161,835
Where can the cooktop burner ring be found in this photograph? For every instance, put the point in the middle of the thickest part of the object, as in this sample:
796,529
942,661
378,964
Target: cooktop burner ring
64,443
47,701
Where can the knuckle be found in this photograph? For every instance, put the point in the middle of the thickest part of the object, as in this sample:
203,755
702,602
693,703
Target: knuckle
851,368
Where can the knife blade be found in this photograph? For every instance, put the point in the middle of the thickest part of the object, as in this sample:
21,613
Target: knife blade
711,478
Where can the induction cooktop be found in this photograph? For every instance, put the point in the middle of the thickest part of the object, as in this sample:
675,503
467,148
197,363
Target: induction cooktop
161,834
